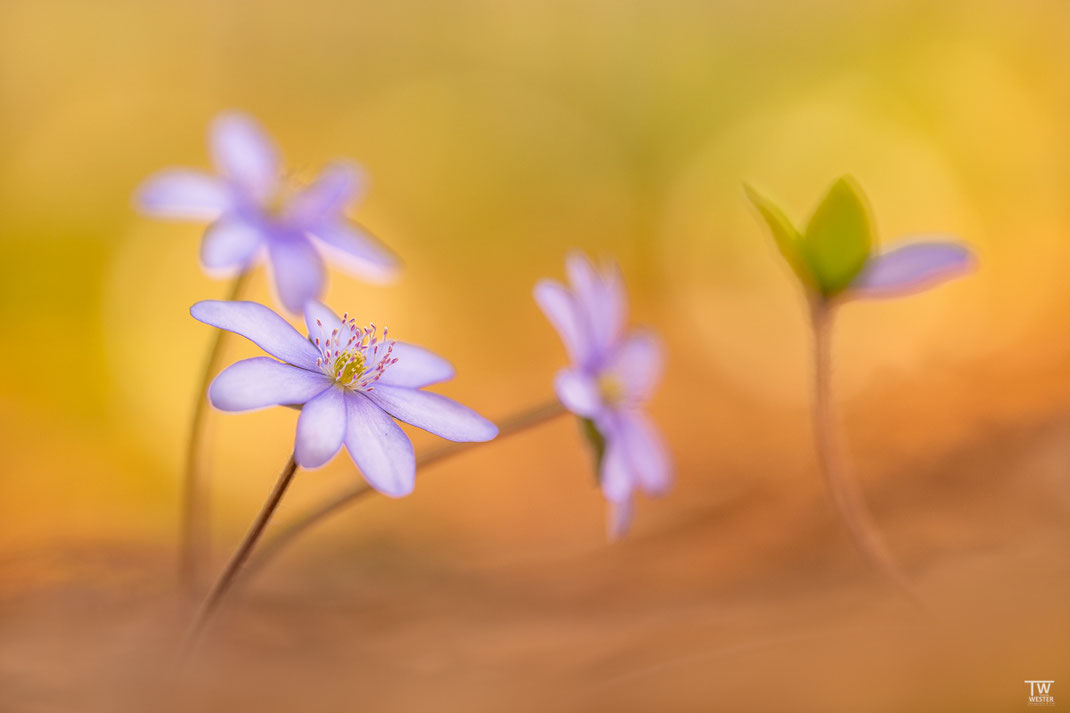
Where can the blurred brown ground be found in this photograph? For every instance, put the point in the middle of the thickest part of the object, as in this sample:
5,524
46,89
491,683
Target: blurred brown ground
498,135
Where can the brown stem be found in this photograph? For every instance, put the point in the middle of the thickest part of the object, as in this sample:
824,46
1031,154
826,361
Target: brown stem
833,462
211,602
193,547
508,427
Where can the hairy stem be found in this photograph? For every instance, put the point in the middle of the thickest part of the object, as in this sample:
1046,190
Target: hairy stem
212,601
833,462
193,547
510,426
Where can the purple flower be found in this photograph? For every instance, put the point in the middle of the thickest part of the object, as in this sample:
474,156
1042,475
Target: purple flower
350,384
613,373
254,212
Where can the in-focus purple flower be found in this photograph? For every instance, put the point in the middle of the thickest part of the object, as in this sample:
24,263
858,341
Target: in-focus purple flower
255,213
613,373
350,384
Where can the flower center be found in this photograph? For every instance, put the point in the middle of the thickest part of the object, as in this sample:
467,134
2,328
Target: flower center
611,389
290,185
353,357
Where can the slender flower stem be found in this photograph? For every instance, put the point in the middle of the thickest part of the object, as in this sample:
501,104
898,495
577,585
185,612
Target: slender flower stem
834,466
211,602
510,426
194,518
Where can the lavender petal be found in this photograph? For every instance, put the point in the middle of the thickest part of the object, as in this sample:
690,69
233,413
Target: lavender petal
637,364
416,367
244,154
260,382
561,310
433,413
646,452
320,320
326,197
600,296
320,429
261,326
181,193
229,245
356,251
617,478
379,447
300,275
578,392
620,519
912,268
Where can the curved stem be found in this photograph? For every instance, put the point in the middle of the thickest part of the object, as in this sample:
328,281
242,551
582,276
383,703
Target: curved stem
510,426
211,602
193,547
834,466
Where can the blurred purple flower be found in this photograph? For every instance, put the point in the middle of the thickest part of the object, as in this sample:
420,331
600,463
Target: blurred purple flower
912,267
613,374
254,212
350,383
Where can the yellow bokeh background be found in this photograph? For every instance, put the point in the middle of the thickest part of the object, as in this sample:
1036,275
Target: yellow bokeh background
497,136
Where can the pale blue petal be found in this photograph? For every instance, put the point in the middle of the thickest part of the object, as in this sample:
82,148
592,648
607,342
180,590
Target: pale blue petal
416,367
578,392
261,326
356,251
298,270
260,382
181,193
320,429
433,412
244,153
230,244
911,268
379,447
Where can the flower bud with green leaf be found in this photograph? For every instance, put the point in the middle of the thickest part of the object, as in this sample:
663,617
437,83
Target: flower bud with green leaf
834,256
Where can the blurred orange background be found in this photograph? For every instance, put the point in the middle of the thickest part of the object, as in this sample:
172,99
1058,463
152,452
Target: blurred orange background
497,136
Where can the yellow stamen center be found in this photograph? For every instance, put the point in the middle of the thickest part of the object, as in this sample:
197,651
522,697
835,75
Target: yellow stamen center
348,367
611,389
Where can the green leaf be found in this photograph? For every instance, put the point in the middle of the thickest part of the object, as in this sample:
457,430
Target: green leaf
838,239
784,233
